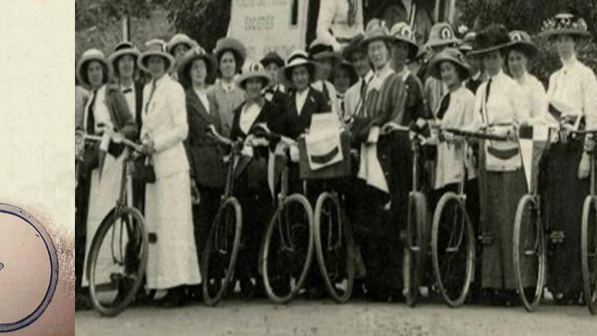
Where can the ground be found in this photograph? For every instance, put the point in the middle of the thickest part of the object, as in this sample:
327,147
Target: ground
324,317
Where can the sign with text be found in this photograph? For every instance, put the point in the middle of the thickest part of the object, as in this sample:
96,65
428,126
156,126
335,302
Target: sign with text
269,25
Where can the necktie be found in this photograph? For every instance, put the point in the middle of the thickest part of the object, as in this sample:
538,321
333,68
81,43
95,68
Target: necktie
91,115
443,106
150,96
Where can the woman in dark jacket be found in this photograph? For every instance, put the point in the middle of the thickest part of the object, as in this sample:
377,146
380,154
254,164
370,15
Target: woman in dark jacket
208,170
251,186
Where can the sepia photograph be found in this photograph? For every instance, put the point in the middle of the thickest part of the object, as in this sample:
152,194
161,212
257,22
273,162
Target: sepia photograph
335,167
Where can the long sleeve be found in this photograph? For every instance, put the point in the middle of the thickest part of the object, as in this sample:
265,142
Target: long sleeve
539,103
327,11
178,117
519,104
589,87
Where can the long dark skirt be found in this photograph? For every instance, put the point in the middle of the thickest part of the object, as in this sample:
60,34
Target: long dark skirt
499,199
565,196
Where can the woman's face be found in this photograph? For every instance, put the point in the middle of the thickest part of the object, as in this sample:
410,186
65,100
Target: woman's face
95,74
378,54
517,63
301,77
272,69
179,52
198,72
565,46
400,54
341,80
327,64
493,62
253,87
156,66
360,62
449,74
126,66
228,65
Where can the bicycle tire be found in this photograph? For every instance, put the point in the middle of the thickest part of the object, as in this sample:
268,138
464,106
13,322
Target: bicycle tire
54,268
529,201
589,254
468,234
267,277
138,276
209,298
350,270
416,245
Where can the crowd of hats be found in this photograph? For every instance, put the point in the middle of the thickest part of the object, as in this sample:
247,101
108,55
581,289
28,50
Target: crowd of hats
492,38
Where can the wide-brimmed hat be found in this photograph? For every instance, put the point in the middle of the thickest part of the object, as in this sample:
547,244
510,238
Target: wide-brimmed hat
296,59
272,57
155,47
89,56
376,30
522,41
442,34
494,37
121,49
565,24
401,32
320,49
194,54
179,39
234,45
452,55
467,42
352,73
356,44
253,69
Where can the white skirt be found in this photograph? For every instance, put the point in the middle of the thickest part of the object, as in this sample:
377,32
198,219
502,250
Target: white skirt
173,256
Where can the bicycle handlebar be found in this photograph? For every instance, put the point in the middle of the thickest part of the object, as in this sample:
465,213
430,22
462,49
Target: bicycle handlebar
475,134
116,138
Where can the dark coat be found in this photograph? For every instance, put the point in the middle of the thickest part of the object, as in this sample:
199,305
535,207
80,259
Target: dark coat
205,155
290,123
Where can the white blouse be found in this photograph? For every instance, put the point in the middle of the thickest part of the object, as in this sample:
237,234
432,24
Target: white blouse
450,157
332,21
203,98
537,97
101,114
575,85
506,104
248,115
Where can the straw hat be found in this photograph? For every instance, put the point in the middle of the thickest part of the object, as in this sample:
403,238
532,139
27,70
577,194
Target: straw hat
87,57
234,45
565,24
123,48
319,49
449,54
253,69
376,30
272,57
296,59
355,45
522,41
180,39
194,54
442,34
494,37
401,32
468,41
155,48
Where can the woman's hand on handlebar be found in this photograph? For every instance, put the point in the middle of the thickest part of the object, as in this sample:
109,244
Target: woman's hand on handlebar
147,146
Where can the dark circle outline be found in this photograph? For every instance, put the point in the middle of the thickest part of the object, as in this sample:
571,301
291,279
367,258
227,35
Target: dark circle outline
29,319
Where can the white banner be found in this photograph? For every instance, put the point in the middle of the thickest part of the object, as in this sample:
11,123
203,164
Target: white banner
269,25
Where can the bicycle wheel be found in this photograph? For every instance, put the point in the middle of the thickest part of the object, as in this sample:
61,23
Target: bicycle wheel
333,247
416,245
589,252
221,251
117,261
288,249
453,249
529,252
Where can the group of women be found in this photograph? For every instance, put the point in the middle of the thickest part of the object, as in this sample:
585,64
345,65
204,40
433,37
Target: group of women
480,82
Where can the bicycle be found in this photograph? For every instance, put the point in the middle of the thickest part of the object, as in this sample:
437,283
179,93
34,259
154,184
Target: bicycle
223,243
452,235
287,249
415,247
128,245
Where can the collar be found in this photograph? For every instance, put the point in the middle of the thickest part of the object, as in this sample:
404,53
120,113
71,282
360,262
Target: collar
303,93
385,71
162,79
227,86
404,73
368,76
567,65
476,76
499,75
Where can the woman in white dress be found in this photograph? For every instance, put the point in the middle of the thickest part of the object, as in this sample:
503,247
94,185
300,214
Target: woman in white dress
172,262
